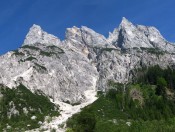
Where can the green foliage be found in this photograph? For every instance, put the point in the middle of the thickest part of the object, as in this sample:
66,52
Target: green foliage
161,84
107,49
153,51
69,130
161,81
100,50
48,54
44,53
53,47
53,130
28,59
138,104
17,53
30,47
37,104
162,78
40,67
54,51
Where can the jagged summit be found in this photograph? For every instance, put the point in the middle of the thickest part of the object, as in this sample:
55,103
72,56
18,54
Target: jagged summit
93,38
36,27
125,23
124,20
73,33
126,36
86,36
37,35
129,36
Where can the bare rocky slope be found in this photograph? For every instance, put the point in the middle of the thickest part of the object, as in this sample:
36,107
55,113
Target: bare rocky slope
85,60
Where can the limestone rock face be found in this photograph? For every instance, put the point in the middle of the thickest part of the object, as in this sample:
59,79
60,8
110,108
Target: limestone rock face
119,66
92,38
85,60
59,73
156,39
129,36
113,37
37,35
86,37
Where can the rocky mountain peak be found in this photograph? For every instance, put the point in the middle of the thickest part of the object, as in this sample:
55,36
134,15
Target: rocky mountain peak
92,38
127,27
36,28
125,23
86,36
73,33
128,36
37,35
113,37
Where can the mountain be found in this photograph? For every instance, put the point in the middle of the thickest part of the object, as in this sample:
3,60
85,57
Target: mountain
85,61
37,35
129,36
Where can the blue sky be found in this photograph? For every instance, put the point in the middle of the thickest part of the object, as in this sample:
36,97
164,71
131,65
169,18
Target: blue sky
54,16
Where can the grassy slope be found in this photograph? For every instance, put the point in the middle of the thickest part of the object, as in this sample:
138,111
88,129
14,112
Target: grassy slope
146,112
37,104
